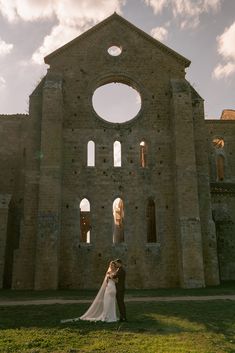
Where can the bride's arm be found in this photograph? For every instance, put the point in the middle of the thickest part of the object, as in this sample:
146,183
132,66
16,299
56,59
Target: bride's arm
113,276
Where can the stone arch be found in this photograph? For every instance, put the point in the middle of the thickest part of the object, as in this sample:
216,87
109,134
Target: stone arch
118,221
85,221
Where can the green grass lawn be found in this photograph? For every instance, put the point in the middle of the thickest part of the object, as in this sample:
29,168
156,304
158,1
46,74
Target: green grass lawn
225,288
169,327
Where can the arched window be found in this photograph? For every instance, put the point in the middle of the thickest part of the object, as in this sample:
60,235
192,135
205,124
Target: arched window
117,154
85,221
91,154
151,222
218,143
143,154
220,167
118,221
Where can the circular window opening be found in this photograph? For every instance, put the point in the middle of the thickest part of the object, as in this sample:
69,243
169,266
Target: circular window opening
114,50
116,102
218,142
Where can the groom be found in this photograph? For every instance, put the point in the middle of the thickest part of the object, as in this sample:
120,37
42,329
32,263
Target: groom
120,289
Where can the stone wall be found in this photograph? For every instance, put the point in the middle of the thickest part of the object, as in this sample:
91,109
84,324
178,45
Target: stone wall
150,69
12,133
223,193
45,172
103,183
12,156
4,203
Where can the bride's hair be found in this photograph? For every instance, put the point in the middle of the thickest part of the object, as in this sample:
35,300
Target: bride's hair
110,266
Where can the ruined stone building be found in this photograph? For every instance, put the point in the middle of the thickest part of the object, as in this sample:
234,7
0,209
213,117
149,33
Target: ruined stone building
167,210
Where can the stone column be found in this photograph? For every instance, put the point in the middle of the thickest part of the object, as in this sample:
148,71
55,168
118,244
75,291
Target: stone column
49,208
188,227
24,256
4,203
209,241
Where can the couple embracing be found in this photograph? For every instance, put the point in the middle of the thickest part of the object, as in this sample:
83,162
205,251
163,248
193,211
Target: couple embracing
103,308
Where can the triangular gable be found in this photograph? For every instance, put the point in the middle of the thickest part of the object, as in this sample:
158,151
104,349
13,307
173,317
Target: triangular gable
117,17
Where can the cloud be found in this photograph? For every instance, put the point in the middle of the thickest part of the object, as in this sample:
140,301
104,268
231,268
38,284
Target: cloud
27,10
73,18
2,82
226,42
223,71
59,35
159,33
5,48
157,5
187,11
226,49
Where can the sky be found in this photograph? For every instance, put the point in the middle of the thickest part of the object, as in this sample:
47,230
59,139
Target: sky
201,30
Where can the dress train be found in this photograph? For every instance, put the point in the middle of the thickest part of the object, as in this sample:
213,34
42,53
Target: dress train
103,308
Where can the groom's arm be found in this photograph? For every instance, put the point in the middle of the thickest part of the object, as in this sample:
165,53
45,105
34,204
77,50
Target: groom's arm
117,274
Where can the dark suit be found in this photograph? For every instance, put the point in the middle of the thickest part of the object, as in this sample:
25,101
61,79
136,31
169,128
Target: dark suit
120,287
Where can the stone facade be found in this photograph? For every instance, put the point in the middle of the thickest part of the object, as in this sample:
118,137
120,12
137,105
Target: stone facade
223,191
176,219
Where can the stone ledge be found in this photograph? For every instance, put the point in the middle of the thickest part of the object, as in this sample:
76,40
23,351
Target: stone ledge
222,188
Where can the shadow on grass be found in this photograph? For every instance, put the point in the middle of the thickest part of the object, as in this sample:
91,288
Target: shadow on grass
227,287
152,318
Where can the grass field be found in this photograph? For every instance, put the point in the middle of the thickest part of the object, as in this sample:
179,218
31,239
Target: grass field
169,327
226,288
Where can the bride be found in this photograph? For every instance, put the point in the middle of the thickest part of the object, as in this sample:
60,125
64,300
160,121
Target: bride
103,307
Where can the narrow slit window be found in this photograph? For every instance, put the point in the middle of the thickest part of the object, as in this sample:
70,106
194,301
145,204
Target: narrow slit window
220,167
118,221
218,143
143,154
117,154
151,222
85,221
91,154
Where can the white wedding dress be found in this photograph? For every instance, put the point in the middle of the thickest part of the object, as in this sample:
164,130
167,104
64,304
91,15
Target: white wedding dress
103,307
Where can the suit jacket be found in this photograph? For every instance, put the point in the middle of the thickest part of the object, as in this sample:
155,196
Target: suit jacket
121,276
